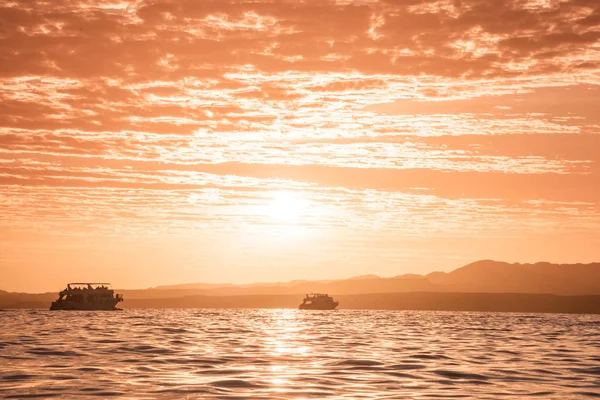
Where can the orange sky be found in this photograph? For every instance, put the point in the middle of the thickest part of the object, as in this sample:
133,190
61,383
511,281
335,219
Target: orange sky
152,143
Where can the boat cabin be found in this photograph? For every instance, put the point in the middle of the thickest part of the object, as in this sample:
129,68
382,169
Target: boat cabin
87,296
319,301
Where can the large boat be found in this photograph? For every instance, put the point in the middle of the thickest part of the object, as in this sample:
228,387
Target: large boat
318,301
87,296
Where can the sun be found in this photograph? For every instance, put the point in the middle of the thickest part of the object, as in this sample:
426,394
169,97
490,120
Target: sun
287,207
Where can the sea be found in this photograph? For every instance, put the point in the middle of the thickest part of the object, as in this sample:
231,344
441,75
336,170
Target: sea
294,354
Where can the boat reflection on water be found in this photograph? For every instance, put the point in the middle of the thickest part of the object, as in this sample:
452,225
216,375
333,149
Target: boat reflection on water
318,301
87,296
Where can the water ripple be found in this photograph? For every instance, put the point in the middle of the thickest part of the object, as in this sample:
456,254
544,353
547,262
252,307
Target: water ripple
282,354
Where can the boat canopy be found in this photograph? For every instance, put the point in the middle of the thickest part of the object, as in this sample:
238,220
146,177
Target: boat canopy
88,285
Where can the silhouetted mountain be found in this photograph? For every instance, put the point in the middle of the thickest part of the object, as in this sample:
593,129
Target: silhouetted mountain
489,276
478,278
362,277
187,286
436,277
484,276
345,286
26,300
409,276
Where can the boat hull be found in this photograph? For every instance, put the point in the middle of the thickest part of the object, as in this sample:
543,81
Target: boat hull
72,305
331,306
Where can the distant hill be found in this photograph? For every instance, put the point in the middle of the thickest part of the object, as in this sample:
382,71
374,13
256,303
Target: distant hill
187,286
436,277
485,276
343,286
489,276
362,277
409,276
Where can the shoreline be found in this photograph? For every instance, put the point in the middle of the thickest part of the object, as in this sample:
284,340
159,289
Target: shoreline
416,301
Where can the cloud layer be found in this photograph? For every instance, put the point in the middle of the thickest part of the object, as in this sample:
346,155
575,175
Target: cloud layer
390,120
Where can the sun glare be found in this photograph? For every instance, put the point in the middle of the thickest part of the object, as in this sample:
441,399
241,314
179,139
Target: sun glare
287,207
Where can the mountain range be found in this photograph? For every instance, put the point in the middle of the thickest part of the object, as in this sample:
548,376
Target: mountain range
484,276
481,277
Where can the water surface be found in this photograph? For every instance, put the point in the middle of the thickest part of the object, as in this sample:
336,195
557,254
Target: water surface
202,353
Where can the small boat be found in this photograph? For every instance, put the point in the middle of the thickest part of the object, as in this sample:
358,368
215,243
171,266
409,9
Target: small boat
87,296
318,301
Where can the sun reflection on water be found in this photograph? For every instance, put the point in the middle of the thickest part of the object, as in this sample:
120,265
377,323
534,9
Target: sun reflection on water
292,354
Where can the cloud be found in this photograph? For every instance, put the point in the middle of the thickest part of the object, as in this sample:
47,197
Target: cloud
409,116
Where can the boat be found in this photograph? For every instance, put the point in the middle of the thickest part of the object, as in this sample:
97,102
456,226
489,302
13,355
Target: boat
318,301
87,296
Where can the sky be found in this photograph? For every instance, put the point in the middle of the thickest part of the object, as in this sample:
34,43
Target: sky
159,142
